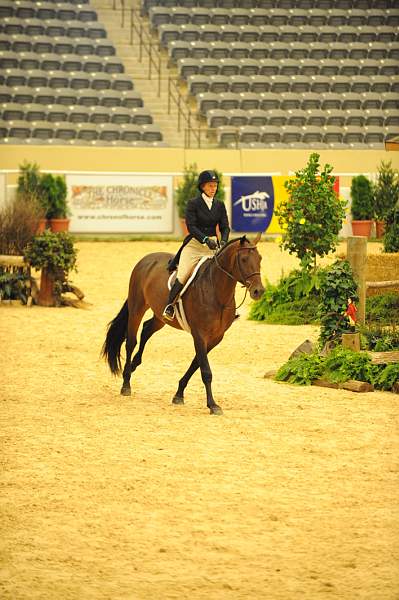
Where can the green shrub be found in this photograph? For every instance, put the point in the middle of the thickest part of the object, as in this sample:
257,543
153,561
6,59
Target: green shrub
54,251
391,235
362,195
293,301
53,193
386,190
383,309
343,364
13,285
339,366
188,188
302,370
387,377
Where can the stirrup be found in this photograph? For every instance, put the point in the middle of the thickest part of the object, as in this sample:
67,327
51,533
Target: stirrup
169,312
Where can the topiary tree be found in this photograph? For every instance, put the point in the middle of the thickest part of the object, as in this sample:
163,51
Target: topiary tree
362,195
386,190
312,215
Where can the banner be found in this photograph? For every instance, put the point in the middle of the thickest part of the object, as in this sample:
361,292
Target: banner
254,200
120,203
252,203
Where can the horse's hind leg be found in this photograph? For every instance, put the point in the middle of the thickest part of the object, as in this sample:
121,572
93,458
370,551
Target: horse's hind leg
131,341
149,328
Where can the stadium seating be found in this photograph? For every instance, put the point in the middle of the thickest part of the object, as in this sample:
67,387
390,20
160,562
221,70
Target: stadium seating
61,81
308,67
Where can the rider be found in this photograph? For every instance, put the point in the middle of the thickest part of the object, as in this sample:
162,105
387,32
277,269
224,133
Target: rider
203,213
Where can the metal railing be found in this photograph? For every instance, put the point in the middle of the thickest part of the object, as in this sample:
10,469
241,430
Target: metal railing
132,19
146,44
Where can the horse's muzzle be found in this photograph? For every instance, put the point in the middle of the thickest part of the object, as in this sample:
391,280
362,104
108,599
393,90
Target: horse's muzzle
256,291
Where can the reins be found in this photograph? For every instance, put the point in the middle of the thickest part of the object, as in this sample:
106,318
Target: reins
245,283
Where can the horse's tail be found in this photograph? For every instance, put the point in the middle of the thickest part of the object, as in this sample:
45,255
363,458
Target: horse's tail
116,334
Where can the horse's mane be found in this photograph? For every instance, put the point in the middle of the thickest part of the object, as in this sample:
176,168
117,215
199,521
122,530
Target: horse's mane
208,263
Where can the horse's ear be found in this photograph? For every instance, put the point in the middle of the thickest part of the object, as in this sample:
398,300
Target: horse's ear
257,238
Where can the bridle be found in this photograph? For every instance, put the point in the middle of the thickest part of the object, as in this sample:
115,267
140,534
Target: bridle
244,278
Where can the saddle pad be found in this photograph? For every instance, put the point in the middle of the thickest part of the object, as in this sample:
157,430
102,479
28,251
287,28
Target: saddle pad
191,278
179,309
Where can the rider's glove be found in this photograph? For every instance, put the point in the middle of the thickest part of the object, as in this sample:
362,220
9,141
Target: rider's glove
212,245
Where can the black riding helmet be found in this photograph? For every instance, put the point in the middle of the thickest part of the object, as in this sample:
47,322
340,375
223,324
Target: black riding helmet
205,177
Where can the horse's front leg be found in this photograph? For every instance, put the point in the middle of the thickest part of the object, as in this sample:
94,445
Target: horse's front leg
206,375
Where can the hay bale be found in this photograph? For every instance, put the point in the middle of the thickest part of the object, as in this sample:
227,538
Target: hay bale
382,267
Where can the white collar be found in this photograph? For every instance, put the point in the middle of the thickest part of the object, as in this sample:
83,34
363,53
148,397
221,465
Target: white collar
208,201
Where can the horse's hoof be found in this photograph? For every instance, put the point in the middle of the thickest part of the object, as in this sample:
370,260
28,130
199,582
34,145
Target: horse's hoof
126,391
215,410
178,400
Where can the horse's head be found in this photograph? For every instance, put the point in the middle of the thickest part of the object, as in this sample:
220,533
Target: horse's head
245,264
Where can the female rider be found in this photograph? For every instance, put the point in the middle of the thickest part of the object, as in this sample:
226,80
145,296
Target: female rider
203,213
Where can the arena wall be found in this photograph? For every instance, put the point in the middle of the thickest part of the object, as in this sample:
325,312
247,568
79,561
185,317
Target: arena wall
101,160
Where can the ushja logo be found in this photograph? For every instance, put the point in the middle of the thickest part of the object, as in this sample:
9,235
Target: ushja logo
253,202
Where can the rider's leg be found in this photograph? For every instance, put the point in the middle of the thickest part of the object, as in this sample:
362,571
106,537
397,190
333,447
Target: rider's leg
169,311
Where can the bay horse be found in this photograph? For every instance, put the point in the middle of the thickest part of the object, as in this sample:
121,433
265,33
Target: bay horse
208,303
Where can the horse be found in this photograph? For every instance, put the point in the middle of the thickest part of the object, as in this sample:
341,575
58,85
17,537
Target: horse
208,303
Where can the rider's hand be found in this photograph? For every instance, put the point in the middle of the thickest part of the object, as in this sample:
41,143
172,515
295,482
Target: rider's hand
212,245
222,243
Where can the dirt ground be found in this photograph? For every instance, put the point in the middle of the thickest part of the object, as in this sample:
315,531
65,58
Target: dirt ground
292,493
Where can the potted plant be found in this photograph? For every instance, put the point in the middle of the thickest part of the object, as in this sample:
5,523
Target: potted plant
29,192
386,194
188,189
362,207
53,192
55,255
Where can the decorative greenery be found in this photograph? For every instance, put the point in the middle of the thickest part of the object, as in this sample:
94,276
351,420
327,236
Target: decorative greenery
53,195
362,195
302,370
379,339
305,297
312,215
338,286
391,235
13,285
29,180
293,301
383,309
53,251
386,190
343,364
339,366
188,188
388,377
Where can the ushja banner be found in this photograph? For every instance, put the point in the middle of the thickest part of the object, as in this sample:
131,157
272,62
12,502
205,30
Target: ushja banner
254,200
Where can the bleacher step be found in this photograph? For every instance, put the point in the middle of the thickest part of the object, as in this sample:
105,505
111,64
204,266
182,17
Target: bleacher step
139,72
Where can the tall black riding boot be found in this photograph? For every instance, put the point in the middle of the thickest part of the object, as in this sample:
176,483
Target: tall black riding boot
169,311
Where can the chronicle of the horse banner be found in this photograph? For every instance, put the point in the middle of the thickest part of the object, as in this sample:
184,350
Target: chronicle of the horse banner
120,204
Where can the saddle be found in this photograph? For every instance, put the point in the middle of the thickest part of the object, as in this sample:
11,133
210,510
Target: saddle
179,309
